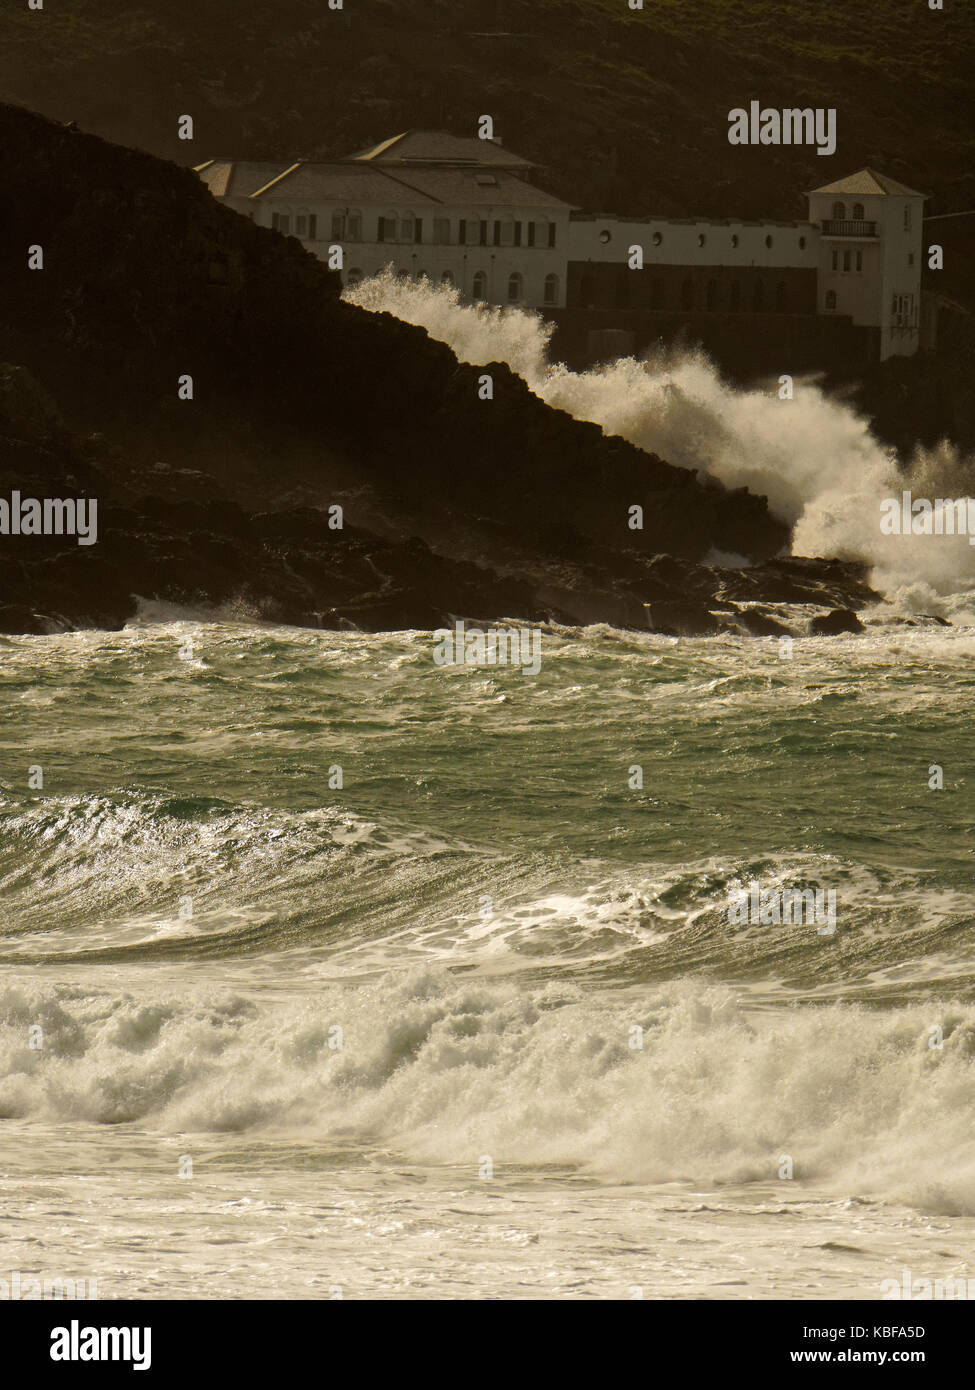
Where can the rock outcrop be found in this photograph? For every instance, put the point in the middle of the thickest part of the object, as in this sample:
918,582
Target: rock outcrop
300,402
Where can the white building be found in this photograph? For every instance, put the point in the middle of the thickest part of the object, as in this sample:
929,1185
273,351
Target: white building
870,255
464,212
428,203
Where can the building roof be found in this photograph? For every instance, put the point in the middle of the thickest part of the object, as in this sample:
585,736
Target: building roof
359,184
230,178
341,183
867,182
474,188
437,147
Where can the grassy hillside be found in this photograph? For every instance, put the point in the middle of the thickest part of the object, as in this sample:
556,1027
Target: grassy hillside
626,108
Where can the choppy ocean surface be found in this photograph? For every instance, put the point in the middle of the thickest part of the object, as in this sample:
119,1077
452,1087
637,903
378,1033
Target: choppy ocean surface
475,1023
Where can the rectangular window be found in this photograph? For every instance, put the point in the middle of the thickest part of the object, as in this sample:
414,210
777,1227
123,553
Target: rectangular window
462,232
353,227
301,225
531,234
387,229
517,233
846,260
441,231
418,231
551,234
338,226
910,258
406,229
836,260
859,260
907,217
313,227
281,221
483,234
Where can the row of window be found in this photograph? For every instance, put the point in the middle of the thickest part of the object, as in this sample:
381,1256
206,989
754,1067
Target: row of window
470,231
856,215
847,260
657,239
404,227
479,285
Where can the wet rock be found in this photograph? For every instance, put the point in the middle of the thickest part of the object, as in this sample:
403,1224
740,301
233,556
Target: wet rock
837,621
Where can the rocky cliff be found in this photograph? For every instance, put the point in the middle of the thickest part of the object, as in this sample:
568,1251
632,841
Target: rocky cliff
299,402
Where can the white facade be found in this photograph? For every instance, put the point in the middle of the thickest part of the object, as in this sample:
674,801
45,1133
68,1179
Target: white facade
448,246
425,203
463,212
870,252
679,241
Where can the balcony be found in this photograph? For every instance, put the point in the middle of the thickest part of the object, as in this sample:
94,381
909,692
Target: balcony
858,230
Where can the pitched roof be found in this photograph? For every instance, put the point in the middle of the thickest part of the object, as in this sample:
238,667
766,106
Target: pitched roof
230,178
341,183
437,147
361,184
473,187
866,182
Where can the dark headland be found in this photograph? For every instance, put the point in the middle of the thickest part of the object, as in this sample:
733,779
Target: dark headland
301,402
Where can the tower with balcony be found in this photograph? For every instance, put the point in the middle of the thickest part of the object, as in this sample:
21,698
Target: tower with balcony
870,249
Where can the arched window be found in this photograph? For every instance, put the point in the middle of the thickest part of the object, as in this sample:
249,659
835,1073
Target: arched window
479,287
858,212
687,295
734,299
781,298
354,277
514,288
839,212
587,292
657,238
711,295
446,278
551,295
406,226
830,299
758,297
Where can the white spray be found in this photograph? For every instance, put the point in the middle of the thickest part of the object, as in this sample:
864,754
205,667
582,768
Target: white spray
813,456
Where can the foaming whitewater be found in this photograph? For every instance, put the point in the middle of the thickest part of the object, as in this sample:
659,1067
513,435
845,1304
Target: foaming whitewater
476,1021
814,457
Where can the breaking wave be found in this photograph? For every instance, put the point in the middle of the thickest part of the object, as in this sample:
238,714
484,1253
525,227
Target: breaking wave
814,457
674,1084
